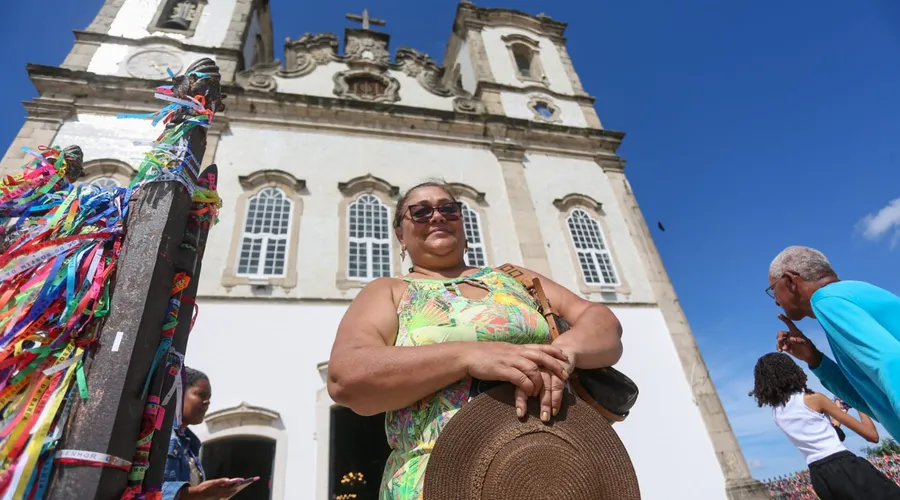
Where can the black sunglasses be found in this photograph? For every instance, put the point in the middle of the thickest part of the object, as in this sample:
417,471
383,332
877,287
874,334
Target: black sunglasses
422,213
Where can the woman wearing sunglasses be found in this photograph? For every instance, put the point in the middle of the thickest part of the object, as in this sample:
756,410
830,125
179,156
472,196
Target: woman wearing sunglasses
420,346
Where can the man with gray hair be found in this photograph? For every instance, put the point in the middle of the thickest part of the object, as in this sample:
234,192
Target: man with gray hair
861,323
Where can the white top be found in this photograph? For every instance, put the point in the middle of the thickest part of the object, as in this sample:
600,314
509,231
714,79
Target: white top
810,431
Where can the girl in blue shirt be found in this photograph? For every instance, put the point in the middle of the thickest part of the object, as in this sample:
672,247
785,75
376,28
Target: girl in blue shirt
184,479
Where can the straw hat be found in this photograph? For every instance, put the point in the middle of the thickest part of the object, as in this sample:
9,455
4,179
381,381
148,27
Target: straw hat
486,453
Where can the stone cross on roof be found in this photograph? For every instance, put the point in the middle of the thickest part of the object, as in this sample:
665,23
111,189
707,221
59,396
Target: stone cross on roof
365,19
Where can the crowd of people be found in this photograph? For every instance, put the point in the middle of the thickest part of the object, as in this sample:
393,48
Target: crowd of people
797,486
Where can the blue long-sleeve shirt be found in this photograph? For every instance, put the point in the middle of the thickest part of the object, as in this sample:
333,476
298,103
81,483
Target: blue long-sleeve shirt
862,324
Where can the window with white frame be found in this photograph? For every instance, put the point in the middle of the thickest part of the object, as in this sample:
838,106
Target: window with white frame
593,254
369,242
475,254
266,231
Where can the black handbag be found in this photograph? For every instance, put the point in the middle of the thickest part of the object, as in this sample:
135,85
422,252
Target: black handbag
607,390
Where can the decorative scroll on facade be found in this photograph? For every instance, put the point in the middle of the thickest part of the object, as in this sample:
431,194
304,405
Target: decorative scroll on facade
365,85
368,74
303,55
260,77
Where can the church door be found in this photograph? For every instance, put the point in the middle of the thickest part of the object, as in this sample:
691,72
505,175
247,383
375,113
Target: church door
358,452
244,457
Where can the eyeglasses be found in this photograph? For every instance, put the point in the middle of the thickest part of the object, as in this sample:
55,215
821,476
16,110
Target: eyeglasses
771,290
423,213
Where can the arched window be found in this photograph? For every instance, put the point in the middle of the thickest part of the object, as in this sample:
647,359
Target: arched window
523,56
177,16
475,254
246,441
525,53
593,254
106,183
266,230
369,239
107,173
259,51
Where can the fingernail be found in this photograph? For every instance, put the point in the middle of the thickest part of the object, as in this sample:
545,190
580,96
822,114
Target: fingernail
555,411
565,375
545,417
519,412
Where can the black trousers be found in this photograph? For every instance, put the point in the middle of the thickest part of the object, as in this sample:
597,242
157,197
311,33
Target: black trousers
845,476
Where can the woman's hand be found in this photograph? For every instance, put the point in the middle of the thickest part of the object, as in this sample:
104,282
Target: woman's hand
522,365
214,489
551,392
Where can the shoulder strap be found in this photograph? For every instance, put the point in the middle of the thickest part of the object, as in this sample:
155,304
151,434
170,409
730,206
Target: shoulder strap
518,274
532,285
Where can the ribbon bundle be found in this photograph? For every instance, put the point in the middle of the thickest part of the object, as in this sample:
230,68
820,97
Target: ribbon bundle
59,244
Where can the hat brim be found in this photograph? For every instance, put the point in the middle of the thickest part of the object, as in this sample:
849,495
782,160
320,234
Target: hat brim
486,453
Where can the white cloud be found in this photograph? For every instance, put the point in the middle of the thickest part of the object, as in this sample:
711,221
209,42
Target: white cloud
755,464
885,221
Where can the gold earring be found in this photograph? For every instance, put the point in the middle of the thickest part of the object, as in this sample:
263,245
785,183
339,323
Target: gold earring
402,253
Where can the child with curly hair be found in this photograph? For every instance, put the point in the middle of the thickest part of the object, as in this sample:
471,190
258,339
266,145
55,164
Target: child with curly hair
805,417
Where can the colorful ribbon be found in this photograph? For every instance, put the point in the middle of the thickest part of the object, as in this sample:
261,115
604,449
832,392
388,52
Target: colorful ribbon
59,247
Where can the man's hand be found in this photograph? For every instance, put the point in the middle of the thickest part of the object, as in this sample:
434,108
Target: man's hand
797,345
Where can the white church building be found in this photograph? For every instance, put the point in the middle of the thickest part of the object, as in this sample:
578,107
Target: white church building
313,153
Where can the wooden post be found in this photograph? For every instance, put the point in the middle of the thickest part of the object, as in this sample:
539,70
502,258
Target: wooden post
109,421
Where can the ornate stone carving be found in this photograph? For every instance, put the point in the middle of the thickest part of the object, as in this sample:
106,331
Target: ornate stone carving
271,177
367,184
260,77
544,109
460,189
468,105
423,69
342,86
304,54
367,56
367,48
573,200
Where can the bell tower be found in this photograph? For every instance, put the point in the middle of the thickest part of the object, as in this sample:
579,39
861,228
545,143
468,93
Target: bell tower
518,65
137,42
144,39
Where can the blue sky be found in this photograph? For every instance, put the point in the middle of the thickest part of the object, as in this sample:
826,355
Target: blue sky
750,126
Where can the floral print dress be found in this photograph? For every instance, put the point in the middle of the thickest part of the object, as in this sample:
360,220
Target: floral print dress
434,311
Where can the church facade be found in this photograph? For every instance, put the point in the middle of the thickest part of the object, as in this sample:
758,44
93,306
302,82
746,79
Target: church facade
313,154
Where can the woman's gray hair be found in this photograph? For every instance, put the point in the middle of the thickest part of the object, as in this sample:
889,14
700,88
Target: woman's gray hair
809,263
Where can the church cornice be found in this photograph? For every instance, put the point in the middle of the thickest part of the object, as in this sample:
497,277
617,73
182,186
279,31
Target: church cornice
469,17
107,94
50,109
533,88
90,36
